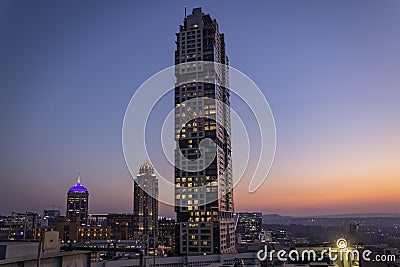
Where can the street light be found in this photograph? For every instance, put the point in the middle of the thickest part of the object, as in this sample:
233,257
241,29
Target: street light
147,243
187,246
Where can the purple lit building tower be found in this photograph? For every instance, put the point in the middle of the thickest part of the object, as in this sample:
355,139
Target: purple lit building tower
77,203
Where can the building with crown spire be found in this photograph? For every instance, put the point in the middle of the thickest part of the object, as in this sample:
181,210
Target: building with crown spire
145,205
78,203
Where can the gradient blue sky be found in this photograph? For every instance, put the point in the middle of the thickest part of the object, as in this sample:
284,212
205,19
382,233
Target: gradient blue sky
329,69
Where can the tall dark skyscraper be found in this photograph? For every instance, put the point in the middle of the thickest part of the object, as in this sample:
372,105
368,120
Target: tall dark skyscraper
203,192
78,203
145,204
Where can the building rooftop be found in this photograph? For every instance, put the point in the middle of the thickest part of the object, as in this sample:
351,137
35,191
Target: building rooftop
146,167
78,187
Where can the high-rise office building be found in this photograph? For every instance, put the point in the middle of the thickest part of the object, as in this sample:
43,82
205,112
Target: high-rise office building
166,234
122,225
248,226
203,194
78,203
145,205
49,218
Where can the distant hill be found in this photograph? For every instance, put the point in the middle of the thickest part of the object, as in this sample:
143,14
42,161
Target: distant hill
372,219
349,215
360,215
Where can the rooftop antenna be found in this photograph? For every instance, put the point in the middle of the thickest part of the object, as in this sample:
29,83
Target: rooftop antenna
55,206
79,177
185,11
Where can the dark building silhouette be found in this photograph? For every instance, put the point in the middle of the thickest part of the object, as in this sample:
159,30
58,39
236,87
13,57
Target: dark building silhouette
203,194
18,226
166,233
72,231
49,218
248,226
121,226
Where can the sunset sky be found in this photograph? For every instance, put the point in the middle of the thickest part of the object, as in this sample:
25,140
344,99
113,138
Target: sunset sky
330,71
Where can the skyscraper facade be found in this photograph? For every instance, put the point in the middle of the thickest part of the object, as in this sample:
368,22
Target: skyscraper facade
248,226
145,205
166,234
78,203
203,192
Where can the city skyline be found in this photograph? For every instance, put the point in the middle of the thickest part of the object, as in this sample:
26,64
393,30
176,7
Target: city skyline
329,72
